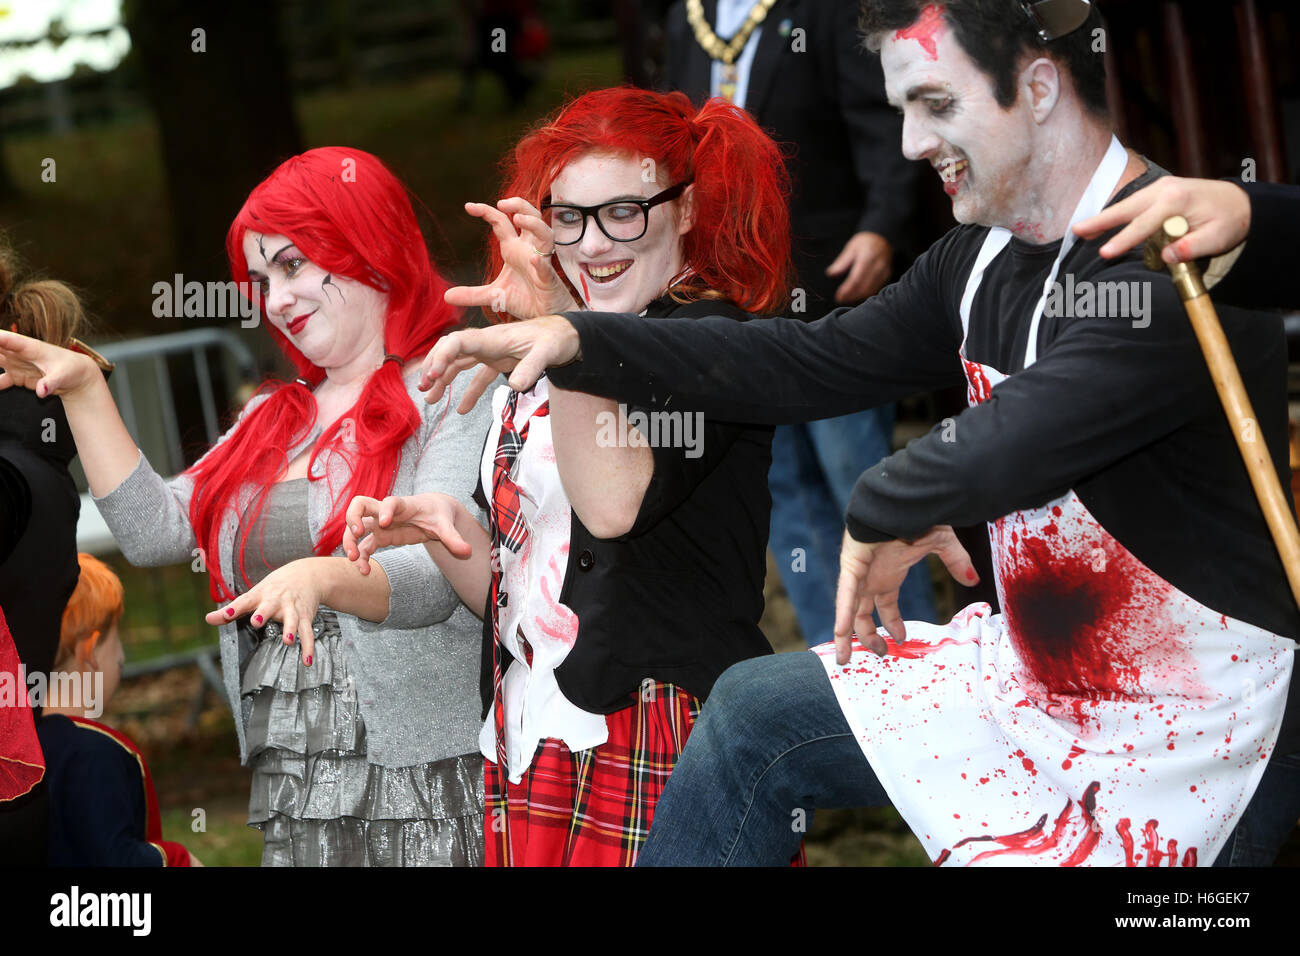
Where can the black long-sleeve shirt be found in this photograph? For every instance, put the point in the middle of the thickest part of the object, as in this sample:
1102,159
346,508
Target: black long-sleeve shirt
1261,277
1120,409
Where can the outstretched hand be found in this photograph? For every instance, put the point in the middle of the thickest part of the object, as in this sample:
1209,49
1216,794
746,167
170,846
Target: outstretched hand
528,284
1218,212
398,520
290,595
44,368
870,577
523,350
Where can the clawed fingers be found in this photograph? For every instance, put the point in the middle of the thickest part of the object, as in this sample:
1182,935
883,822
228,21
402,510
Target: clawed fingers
239,607
482,381
956,559
469,296
528,371
502,228
444,374
891,618
847,598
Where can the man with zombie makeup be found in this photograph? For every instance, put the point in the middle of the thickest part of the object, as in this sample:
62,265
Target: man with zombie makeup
1127,706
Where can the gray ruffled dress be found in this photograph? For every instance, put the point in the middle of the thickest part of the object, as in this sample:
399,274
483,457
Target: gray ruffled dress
316,796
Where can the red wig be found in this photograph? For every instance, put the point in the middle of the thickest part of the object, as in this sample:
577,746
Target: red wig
739,246
348,215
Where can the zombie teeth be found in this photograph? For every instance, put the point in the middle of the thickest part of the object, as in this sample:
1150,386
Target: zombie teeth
950,171
608,272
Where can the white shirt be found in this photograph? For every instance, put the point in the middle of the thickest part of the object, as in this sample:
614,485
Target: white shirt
732,15
535,708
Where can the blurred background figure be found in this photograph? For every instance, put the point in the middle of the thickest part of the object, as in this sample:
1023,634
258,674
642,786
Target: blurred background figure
103,810
508,39
38,548
849,213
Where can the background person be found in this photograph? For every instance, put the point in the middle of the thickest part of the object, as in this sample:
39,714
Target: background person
363,751
821,96
103,809
38,540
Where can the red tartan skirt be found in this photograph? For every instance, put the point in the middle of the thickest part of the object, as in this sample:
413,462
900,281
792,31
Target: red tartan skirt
593,807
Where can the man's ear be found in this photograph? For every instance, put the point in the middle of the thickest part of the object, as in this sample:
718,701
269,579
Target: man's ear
1040,82
686,210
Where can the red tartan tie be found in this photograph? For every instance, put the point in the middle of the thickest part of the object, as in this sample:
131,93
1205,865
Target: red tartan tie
509,530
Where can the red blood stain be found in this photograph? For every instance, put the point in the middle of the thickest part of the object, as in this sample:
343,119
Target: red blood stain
1089,621
586,294
1124,829
1035,841
1027,763
1030,230
978,388
1151,843
913,650
1092,835
561,624
923,31
1075,751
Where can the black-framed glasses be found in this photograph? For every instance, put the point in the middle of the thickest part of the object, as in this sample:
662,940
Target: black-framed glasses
622,220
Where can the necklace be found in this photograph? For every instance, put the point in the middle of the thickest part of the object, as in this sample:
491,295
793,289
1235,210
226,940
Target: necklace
725,51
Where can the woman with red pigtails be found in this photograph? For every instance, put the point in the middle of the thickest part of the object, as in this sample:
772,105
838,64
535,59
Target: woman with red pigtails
360,728
623,569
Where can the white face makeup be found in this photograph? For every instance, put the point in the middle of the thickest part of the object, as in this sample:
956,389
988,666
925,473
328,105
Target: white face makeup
951,119
620,276
333,321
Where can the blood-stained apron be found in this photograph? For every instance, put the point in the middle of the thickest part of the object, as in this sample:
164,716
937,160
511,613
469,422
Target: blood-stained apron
1104,718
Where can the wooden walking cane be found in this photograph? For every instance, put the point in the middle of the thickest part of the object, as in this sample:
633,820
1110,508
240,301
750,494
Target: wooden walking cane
1236,404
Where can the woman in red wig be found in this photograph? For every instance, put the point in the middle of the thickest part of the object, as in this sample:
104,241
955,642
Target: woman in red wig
361,740
623,569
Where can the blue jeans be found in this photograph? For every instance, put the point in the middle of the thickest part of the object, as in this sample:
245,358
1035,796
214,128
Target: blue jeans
814,469
772,745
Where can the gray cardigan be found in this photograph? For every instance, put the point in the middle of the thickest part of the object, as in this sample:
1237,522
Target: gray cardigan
416,672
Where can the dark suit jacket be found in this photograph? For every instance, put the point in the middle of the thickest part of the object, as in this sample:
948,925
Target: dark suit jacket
1261,278
677,599
829,110
39,506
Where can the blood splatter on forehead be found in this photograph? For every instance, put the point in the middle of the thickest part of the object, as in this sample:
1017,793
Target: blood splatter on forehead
924,29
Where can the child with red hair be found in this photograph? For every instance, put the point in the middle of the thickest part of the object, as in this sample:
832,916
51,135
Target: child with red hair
362,746
624,568
103,810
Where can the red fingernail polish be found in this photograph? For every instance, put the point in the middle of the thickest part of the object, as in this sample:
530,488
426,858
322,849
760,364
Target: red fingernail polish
230,612
257,619
307,660
970,575
290,637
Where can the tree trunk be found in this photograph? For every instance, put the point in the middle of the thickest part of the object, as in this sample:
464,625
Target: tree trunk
217,77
